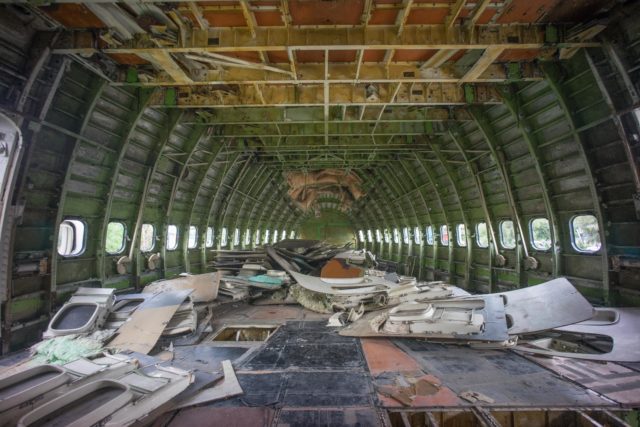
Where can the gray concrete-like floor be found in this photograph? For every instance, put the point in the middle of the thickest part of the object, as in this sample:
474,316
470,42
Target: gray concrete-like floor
307,374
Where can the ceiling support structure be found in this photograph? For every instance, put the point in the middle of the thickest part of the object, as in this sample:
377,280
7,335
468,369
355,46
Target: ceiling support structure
433,37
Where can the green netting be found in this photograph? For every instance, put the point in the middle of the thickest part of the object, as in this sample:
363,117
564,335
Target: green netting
61,350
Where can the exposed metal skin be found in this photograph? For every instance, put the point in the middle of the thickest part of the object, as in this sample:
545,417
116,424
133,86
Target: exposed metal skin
465,221
512,101
561,98
100,85
143,99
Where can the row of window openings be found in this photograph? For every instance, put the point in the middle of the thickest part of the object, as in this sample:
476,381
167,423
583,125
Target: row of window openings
585,235
73,233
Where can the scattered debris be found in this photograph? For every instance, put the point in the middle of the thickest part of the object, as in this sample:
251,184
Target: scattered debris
86,310
337,320
366,298
141,332
228,387
204,286
64,349
402,395
26,390
611,335
425,388
311,300
474,397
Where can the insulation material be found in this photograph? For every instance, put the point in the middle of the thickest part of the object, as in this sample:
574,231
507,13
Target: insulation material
306,187
64,349
311,300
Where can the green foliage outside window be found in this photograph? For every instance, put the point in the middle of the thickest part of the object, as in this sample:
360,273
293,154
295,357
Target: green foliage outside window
482,236
115,238
585,233
540,234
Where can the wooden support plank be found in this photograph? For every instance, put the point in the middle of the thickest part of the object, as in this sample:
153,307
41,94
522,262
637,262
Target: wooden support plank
165,62
477,12
403,15
439,58
197,14
488,57
456,8
249,17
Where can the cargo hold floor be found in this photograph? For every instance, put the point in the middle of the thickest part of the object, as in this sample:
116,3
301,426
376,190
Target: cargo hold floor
304,373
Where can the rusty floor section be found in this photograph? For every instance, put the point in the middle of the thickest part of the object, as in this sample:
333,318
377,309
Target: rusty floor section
306,374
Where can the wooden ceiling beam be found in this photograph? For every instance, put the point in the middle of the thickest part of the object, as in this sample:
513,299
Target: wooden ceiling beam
488,57
249,17
439,58
454,12
314,96
238,39
197,14
477,12
403,15
226,71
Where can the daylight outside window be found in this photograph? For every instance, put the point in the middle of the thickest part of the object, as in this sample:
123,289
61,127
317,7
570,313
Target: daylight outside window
369,236
585,233
361,235
396,236
172,237
417,235
147,237
192,240
429,235
507,234
540,234
405,235
387,235
209,237
71,237
461,235
378,235
224,237
482,236
116,238
444,235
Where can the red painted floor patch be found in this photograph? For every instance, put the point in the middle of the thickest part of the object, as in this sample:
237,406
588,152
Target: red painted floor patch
383,356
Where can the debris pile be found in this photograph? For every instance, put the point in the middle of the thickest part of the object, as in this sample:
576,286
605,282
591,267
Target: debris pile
120,357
